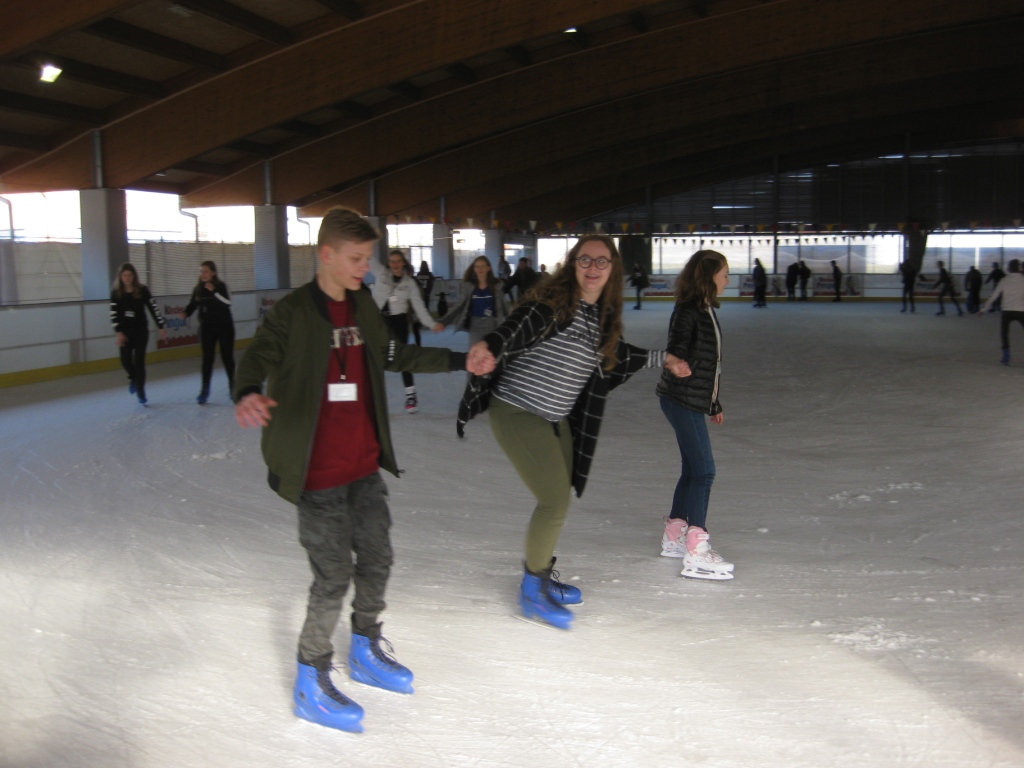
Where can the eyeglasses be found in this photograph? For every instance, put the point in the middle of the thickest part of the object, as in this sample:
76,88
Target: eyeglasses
600,262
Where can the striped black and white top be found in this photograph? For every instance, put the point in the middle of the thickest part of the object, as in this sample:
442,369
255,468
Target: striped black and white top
548,378
532,327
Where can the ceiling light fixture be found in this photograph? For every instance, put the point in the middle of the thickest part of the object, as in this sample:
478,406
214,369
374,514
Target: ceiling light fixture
570,30
49,73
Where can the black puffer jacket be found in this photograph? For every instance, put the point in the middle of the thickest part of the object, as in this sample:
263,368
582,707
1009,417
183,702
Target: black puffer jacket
691,337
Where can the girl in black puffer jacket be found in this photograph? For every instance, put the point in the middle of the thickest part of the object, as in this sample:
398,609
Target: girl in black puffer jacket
695,336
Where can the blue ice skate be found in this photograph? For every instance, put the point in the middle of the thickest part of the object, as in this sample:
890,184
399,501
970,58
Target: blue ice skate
368,663
317,700
535,602
560,592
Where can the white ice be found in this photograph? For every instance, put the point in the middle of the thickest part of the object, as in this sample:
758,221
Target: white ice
869,491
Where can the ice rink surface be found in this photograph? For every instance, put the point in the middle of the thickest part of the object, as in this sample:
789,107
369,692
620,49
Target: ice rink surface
870,490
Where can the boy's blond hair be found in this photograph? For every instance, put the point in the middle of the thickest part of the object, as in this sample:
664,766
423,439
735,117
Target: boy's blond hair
344,224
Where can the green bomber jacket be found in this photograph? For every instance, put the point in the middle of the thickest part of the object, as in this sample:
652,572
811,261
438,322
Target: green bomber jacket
290,353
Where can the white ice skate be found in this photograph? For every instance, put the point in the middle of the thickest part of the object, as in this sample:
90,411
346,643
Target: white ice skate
700,561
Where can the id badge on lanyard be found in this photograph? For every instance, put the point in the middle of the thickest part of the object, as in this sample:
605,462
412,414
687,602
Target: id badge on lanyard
342,391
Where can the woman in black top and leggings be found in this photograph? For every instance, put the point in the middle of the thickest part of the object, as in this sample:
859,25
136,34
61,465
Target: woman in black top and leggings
216,325
129,301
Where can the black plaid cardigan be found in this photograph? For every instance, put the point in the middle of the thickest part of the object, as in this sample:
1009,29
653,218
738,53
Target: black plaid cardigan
528,325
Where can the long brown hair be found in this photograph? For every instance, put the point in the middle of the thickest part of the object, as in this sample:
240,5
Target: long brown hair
119,286
217,282
469,275
561,292
696,282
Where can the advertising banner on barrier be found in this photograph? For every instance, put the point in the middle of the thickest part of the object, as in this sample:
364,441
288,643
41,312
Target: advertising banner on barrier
181,332
661,285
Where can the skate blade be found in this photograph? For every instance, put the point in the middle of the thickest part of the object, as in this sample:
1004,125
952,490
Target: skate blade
539,623
673,554
708,575
361,677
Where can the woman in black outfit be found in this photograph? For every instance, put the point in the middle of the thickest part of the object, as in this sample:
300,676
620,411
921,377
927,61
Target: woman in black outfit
216,325
129,301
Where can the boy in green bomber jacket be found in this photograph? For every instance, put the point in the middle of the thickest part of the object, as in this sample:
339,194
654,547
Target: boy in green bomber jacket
323,350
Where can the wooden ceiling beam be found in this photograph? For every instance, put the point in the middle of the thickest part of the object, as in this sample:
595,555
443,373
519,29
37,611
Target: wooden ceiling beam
141,39
311,75
27,25
59,110
490,185
203,168
492,109
90,74
347,8
13,140
462,72
240,18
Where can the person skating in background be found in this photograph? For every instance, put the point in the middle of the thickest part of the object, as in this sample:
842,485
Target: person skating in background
760,284
994,277
323,350
695,337
426,280
972,284
481,304
524,279
946,288
837,281
640,282
1009,291
558,355
398,296
792,276
805,275
216,326
908,276
129,302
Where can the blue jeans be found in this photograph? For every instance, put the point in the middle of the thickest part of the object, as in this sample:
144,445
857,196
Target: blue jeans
693,491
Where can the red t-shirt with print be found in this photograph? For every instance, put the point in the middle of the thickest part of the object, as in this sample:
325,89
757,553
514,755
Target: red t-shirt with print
345,446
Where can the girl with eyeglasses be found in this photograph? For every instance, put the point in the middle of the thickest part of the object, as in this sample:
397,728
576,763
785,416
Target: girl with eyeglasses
688,402
558,355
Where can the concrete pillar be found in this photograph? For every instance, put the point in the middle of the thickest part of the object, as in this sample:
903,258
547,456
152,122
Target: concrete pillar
494,245
270,253
8,273
104,240
380,252
444,252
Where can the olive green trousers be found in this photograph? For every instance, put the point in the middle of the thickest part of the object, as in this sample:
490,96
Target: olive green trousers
543,459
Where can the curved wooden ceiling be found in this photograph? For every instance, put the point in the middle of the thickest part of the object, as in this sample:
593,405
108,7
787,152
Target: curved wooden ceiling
491,106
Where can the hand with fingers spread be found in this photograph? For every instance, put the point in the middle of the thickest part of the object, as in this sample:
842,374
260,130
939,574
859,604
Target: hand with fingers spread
253,410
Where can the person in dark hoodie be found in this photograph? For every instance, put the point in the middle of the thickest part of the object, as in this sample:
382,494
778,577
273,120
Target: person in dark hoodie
946,288
216,325
129,302
323,350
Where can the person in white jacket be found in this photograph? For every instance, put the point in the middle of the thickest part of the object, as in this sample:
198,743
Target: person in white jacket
397,294
1011,291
